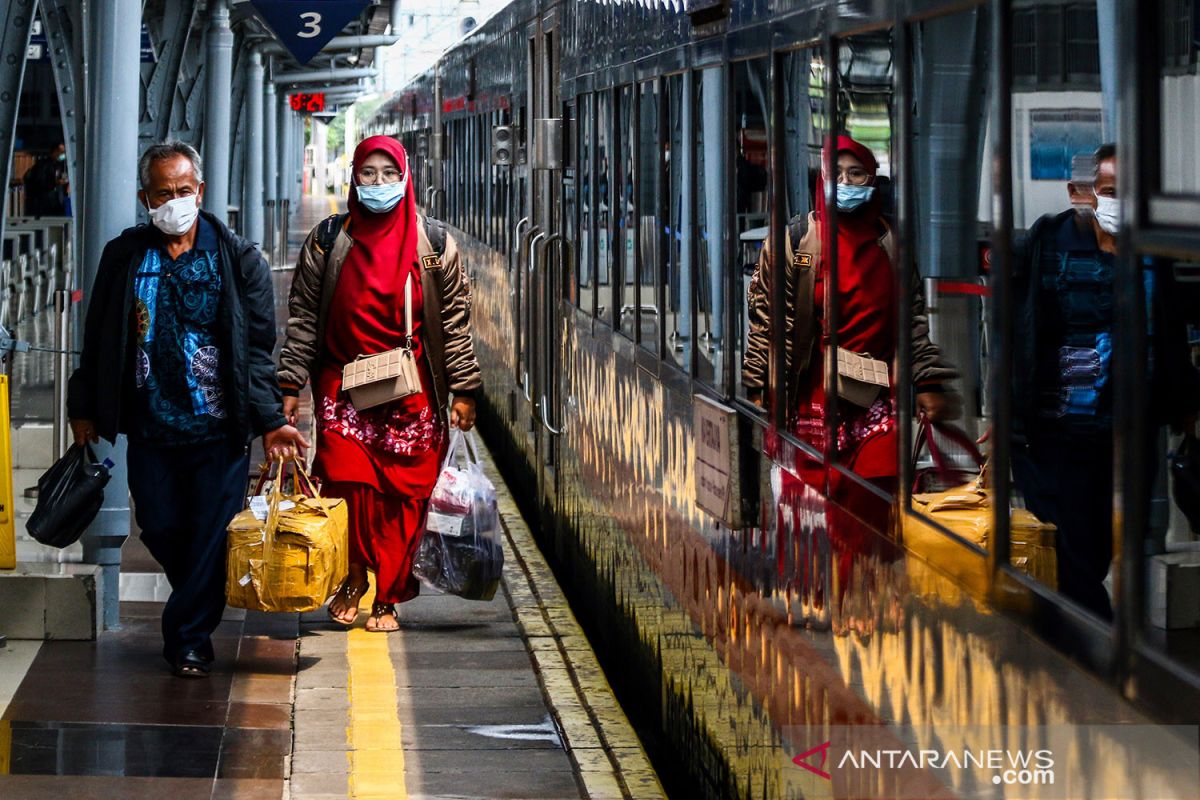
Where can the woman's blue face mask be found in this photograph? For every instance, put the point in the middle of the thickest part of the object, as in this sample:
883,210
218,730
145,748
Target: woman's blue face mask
381,197
850,197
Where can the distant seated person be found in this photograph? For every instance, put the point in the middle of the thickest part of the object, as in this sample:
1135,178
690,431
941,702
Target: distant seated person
46,184
1062,381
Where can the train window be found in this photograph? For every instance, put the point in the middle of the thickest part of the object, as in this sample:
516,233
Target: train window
677,233
750,103
1180,99
648,190
604,203
626,211
709,193
587,236
950,297
804,130
569,285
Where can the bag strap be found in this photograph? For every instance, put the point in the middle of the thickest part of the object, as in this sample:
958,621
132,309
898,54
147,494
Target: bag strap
456,437
472,447
957,436
327,232
408,324
804,251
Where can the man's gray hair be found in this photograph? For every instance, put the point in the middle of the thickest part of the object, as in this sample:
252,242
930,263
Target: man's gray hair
172,148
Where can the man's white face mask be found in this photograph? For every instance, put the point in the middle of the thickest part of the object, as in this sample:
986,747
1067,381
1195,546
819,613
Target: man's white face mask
1108,214
176,217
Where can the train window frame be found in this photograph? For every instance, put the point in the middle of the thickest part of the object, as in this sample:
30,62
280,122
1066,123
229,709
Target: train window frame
587,102
653,280
605,118
722,385
1155,223
625,135
672,231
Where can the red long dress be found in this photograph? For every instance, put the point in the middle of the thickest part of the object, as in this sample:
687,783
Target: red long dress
382,461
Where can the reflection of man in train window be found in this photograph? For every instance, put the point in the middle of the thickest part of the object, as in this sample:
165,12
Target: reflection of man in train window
1062,381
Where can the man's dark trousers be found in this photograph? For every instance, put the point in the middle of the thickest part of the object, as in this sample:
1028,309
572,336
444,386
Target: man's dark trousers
1067,480
184,498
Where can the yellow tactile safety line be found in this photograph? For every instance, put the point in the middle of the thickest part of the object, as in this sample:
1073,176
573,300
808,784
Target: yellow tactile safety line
374,735
332,203
600,741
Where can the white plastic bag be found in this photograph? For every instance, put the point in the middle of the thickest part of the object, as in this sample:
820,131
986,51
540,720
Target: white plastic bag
460,551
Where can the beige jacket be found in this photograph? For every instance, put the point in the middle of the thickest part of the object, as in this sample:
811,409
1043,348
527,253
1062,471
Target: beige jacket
446,290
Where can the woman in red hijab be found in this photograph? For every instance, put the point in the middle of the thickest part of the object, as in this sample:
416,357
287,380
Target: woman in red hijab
348,300
866,312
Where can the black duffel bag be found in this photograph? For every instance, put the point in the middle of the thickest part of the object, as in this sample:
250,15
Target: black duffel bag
69,497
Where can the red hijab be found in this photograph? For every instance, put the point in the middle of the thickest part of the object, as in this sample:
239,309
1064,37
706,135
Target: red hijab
866,291
367,313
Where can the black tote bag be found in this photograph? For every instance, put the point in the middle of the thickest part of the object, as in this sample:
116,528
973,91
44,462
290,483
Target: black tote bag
70,494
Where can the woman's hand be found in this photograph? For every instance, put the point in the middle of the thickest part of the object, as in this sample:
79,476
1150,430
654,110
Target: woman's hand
940,406
462,413
291,409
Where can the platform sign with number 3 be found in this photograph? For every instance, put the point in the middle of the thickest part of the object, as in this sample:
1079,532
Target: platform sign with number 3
305,26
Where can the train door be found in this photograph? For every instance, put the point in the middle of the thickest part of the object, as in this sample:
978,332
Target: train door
548,248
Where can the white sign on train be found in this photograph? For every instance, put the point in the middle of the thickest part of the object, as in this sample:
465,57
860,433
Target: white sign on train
715,443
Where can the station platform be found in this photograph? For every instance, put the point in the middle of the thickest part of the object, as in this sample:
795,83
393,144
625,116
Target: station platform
501,699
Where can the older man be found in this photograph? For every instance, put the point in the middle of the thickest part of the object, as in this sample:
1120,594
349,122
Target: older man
1064,271
177,356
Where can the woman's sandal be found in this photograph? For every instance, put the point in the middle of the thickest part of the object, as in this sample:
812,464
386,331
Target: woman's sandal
347,595
379,611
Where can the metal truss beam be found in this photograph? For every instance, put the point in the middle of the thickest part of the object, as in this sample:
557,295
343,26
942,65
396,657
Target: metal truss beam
17,18
64,33
174,32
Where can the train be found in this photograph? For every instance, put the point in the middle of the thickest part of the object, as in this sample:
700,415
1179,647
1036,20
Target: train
612,171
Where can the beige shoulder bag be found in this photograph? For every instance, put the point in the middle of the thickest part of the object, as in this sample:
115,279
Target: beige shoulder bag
386,377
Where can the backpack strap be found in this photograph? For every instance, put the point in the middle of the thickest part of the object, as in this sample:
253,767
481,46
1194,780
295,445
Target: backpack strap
327,231
435,232
804,250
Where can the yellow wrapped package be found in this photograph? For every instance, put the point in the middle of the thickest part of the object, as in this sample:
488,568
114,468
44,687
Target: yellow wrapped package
295,557
967,510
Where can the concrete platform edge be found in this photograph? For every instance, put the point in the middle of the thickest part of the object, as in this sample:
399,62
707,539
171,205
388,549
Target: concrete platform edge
607,754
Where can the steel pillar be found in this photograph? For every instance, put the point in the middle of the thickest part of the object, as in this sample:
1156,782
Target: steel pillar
285,135
252,202
219,82
17,17
169,84
270,163
283,189
108,207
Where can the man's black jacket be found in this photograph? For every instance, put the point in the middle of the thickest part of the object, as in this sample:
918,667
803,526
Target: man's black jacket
102,388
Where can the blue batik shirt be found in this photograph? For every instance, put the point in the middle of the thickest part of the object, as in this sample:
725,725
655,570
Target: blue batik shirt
178,364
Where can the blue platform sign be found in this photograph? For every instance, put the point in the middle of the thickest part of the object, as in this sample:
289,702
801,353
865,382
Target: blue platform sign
305,26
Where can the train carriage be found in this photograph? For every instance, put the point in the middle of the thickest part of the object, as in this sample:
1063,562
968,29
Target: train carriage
612,172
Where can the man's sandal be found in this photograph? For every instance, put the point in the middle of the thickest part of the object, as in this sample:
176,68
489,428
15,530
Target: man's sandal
379,611
346,594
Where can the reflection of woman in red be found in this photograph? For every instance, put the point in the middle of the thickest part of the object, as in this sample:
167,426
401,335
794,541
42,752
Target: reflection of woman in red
866,312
